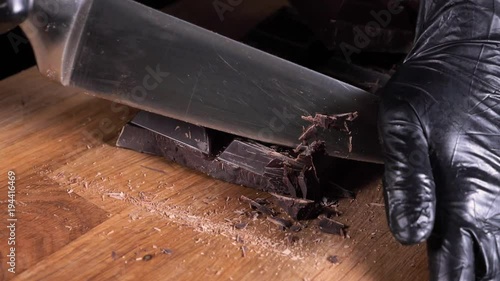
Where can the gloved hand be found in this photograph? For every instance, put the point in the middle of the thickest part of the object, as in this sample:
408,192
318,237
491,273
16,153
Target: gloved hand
439,123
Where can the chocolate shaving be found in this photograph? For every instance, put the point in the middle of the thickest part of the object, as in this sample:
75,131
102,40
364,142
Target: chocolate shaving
300,174
166,251
282,223
261,208
309,132
338,121
330,226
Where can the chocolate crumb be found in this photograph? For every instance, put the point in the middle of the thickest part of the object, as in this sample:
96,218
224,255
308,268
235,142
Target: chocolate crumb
166,251
333,259
147,257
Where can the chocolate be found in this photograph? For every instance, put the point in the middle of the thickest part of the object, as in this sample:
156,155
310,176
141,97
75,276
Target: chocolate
330,226
298,209
303,172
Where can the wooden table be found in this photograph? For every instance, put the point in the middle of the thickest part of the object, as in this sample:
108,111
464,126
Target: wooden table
87,210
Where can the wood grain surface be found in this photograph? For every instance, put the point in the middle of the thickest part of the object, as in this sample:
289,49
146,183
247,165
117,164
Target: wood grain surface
87,210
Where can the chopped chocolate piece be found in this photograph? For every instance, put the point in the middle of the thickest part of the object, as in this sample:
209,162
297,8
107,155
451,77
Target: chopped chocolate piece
147,257
302,172
333,259
331,211
331,226
261,208
299,209
242,162
241,225
194,136
283,223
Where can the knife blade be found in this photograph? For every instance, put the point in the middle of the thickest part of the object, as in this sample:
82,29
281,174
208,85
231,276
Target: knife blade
126,52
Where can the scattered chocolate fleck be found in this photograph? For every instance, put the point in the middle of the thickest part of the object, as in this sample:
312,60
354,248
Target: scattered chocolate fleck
261,208
330,226
241,225
114,255
239,239
333,259
166,251
147,257
153,169
337,121
283,223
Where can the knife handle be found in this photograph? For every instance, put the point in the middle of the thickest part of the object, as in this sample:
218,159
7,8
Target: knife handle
13,13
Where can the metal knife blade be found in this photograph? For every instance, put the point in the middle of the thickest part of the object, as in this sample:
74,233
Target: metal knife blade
126,52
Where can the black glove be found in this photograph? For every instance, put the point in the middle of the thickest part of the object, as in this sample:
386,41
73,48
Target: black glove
439,123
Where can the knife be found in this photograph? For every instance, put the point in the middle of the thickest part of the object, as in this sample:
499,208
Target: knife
123,51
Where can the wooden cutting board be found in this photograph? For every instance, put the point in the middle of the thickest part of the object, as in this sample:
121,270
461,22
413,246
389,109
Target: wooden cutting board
87,210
